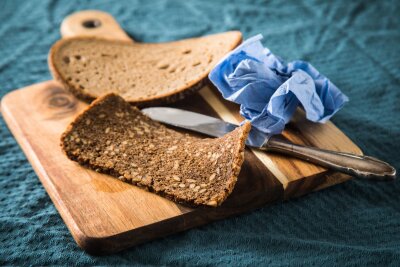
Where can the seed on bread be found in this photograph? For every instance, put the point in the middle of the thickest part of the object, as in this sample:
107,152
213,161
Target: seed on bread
176,178
175,174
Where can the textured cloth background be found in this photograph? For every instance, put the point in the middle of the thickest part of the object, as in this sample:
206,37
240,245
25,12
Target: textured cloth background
355,44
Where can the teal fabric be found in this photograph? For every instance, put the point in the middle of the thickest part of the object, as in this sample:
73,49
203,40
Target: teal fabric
354,43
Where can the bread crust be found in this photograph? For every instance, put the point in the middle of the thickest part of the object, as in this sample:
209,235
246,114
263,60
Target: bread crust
237,154
168,97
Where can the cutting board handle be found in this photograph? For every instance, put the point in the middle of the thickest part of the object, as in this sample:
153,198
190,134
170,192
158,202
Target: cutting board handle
93,23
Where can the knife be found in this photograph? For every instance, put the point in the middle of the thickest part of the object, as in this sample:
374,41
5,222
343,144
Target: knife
352,164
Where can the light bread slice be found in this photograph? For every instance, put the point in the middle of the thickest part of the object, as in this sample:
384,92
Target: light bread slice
111,136
142,73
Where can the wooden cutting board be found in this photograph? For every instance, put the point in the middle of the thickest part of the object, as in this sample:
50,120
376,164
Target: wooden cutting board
105,215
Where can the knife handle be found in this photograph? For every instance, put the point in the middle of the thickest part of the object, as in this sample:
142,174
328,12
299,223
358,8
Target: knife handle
359,166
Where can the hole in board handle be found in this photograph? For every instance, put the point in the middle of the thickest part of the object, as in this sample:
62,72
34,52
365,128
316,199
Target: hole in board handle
91,23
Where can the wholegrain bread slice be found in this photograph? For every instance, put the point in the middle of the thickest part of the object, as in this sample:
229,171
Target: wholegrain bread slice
111,136
142,73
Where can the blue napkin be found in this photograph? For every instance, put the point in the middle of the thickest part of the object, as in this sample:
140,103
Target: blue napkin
269,90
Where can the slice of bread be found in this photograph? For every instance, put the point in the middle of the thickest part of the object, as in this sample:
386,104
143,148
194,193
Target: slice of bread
142,73
111,136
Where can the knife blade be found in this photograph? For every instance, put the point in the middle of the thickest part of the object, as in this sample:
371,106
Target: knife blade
203,124
357,165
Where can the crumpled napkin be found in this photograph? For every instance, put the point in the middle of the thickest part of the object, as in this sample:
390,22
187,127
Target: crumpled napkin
269,90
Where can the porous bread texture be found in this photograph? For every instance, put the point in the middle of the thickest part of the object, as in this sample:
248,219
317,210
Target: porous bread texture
142,73
111,136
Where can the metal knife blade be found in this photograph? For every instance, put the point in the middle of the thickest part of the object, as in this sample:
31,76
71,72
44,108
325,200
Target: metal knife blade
202,124
360,166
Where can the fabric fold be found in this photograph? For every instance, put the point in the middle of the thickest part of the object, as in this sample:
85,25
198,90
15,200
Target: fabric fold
269,90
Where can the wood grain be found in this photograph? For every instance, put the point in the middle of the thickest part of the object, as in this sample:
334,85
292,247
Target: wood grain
102,213
93,23
105,215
